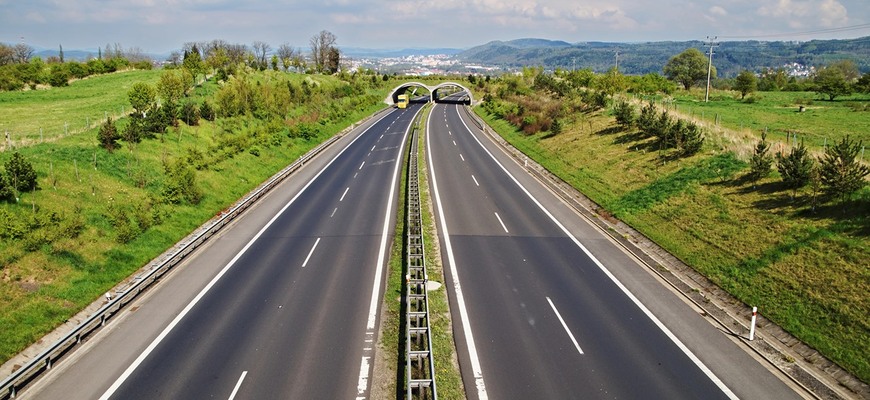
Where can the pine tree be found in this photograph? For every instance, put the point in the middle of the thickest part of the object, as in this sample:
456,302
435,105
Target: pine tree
841,173
108,135
21,174
796,168
624,113
693,139
761,160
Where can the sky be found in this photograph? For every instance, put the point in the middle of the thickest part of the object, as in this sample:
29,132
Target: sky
161,26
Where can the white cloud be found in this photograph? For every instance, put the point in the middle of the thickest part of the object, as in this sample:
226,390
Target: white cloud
718,11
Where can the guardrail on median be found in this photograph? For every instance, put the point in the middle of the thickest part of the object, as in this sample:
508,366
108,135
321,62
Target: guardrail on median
420,365
159,266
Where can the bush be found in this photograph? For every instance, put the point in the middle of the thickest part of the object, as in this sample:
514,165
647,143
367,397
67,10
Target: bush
206,111
190,114
180,186
625,114
21,174
108,135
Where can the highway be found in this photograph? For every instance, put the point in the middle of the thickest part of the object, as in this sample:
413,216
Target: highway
545,307
282,304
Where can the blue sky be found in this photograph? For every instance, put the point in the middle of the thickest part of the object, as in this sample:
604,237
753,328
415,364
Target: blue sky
159,26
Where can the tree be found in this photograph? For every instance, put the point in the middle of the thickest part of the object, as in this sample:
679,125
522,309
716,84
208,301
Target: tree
848,68
171,86
612,82
60,53
142,98
193,62
108,135
180,186
333,61
21,174
22,53
624,113
285,53
795,168
863,84
320,45
832,83
688,67
7,54
746,83
260,50
274,62
761,160
773,79
841,174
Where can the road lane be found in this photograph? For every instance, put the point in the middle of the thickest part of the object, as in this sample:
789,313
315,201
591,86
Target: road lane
293,331
513,279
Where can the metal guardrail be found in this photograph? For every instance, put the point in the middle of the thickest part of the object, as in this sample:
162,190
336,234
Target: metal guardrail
420,365
123,296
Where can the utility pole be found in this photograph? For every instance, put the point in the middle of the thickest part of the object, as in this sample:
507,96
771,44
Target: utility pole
712,43
617,60
573,64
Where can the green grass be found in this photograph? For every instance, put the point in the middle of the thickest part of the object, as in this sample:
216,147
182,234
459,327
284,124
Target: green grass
58,246
448,377
56,111
806,270
822,121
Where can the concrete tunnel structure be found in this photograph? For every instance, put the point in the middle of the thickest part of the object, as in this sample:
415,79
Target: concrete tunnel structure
433,90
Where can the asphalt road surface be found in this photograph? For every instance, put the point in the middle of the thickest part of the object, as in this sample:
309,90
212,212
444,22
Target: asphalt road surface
545,307
282,305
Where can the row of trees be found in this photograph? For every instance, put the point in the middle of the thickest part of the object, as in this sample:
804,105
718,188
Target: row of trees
670,133
19,69
224,58
838,172
840,78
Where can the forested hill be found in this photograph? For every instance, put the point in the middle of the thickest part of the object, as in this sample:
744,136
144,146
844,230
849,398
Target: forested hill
641,58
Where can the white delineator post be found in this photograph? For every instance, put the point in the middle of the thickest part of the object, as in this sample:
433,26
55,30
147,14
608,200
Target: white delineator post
752,324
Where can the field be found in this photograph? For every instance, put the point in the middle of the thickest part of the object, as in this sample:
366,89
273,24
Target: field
822,122
805,269
98,216
47,114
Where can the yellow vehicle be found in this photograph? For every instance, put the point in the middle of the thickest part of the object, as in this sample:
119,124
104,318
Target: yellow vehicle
403,101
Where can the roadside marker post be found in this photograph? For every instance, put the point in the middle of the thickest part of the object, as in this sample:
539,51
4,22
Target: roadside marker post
752,324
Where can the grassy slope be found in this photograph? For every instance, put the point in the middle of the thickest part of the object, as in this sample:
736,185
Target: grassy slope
806,271
24,113
44,282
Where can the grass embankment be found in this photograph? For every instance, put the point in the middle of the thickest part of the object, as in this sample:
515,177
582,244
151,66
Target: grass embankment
99,216
448,378
822,122
68,110
806,270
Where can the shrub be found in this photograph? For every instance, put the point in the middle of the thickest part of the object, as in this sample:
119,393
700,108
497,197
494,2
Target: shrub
625,114
190,114
21,174
108,135
180,186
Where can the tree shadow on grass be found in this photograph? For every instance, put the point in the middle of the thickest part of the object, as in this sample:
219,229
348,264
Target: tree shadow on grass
851,217
610,130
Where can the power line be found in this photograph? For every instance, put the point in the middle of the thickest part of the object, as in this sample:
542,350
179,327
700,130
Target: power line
804,33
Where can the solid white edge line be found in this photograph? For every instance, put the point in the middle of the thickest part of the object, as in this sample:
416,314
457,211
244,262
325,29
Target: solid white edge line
343,194
310,252
126,374
238,385
564,325
718,382
501,222
460,299
362,385
475,180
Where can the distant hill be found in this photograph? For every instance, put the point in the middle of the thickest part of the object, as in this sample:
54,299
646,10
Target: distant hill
641,58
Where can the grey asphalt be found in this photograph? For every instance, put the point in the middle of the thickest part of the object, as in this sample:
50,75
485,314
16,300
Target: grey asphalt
517,269
289,318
